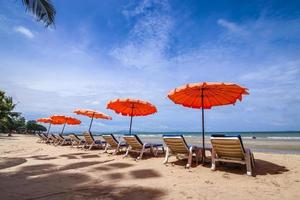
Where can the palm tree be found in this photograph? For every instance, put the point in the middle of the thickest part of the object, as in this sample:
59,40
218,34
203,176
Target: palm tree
43,10
7,116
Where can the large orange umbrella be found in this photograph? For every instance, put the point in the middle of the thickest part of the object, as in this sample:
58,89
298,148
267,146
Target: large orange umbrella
92,114
62,119
131,107
205,95
48,121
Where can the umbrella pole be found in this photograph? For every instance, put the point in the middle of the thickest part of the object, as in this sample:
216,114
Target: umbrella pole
130,124
131,119
91,122
48,129
62,131
203,137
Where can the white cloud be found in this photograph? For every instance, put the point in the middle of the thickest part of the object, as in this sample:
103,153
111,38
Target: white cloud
149,37
229,25
284,73
24,31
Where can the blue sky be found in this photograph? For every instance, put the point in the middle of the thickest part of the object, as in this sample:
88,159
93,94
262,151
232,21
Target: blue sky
102,50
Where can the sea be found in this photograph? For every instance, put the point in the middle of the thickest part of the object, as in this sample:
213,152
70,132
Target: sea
268,142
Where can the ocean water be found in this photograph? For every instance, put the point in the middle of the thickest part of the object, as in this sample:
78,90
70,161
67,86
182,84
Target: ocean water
273,142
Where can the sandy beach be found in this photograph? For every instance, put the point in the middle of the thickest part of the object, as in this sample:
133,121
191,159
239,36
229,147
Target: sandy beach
30,170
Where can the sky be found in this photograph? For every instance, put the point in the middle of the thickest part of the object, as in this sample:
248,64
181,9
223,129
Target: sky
102,50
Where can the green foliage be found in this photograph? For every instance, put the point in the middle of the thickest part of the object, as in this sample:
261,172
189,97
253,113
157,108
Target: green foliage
32,127
13,121
9,120
43,10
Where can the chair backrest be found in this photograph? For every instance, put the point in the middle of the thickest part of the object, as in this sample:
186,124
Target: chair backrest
74,137
40,136
60,136
176,143
111,140
133,141
227,146
53,137
88,137
44,136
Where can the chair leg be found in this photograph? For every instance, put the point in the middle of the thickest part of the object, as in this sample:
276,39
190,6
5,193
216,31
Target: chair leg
248,162
92,145
142,152
127,152
252,160
213,160
167,156
106,148
117,149
189,164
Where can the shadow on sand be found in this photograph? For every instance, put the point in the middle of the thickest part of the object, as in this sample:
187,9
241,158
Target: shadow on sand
50,181
262,167
11,162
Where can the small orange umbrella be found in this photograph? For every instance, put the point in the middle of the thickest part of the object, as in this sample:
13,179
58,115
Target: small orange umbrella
48,120
131,107
92,114
44,120
205,95
62,119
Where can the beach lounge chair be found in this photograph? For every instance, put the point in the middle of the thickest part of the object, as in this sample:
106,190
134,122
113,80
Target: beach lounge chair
231,149
135,144
52,138
41,139
176,145
61,140
76,141
113,143
45,138
90,142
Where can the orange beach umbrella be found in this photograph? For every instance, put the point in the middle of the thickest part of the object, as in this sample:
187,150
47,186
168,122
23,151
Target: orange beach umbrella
48,120
205,95
62,119
92,114
131,107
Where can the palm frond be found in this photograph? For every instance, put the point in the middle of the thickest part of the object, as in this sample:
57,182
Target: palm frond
42,9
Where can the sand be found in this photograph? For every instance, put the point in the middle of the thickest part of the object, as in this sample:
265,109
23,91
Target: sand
29,170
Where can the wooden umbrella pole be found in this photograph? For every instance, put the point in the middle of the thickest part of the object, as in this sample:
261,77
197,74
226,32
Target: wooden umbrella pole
91,122
131,118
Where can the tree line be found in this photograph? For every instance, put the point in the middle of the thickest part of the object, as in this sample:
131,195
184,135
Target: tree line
14,122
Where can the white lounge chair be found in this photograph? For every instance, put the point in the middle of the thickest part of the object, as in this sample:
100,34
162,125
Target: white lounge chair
176,145
231,149
52,139
42,138
113,143
90,142
61,140
76,141
135,144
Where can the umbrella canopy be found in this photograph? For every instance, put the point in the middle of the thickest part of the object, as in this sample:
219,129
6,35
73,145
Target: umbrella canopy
205,95
62,119
50,121
44,120
131,107
92,114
